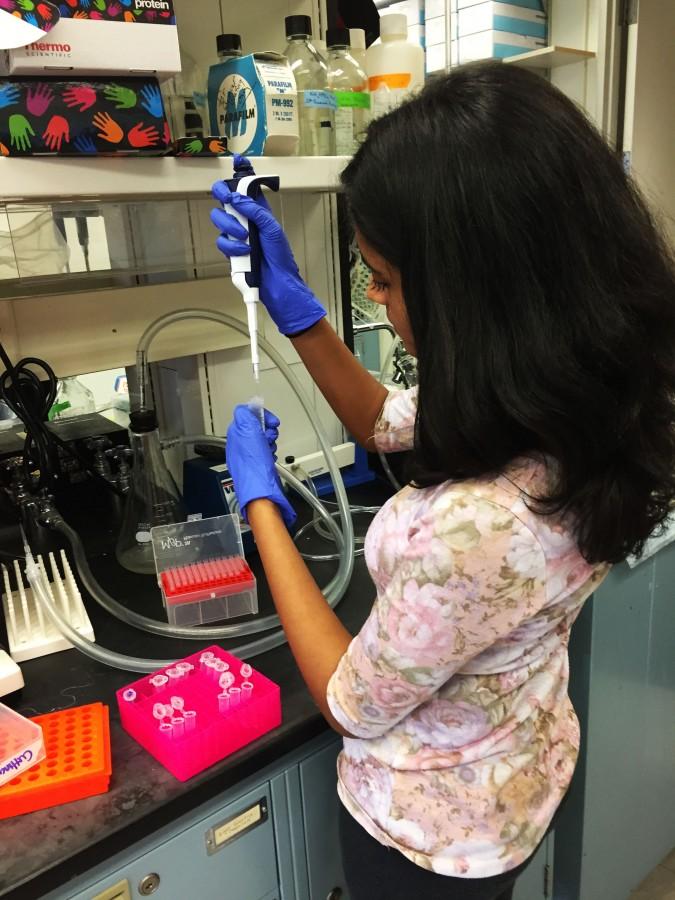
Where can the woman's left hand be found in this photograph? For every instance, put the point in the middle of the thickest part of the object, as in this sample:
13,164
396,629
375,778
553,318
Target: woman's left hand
251,455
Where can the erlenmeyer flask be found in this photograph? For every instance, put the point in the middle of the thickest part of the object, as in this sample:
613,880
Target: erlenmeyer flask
153,497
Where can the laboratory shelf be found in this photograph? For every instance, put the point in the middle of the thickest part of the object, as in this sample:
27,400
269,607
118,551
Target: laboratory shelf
549,57
77,178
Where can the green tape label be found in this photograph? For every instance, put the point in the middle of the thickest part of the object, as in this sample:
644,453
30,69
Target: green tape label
353,99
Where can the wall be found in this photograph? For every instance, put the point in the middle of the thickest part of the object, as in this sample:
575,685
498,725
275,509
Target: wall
650,122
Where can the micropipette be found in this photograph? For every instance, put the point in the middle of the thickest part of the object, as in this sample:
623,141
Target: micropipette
246,269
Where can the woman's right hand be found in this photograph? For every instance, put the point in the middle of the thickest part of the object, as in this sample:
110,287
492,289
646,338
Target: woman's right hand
288,300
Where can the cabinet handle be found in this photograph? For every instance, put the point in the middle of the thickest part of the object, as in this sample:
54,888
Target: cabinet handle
335,894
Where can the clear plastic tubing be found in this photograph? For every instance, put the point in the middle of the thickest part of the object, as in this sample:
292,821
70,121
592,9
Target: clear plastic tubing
144,623
344,538
138,664
336,589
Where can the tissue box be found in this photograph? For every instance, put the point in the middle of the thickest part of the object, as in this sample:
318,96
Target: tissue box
523,4
253,103
102,37
501,17
82,116
491,44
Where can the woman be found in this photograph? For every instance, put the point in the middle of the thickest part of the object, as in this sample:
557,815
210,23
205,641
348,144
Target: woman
518,263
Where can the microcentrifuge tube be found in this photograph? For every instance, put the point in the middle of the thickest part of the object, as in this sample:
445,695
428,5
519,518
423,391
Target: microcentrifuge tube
235,696
226,680
184,667
246,671
159,711
158,681
223,702
177,703
173,674
129,695
246,690
211,669
178,726
165,728
190,717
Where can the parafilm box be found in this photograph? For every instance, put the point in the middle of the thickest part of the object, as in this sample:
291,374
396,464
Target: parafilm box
102,37
253,102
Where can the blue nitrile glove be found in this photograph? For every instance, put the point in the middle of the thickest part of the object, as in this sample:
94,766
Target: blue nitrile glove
250,456
288,300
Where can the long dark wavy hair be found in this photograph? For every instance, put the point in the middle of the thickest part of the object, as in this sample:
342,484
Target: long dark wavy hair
540,293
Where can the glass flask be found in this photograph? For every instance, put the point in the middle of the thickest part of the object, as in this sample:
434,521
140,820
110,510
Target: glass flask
72,399
153,498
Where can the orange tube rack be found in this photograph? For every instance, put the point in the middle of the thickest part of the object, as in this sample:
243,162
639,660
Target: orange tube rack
78,762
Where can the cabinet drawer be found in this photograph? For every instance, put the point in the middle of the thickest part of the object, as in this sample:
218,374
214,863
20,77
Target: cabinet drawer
229,856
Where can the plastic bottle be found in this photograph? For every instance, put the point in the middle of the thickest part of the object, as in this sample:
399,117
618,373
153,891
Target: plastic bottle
316,103
349,84
357,41
72,399
153,497
395,66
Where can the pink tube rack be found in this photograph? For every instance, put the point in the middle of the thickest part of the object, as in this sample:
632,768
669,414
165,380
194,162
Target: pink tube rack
216,734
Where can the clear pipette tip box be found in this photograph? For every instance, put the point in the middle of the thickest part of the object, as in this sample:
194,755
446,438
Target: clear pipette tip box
202,572
210,729
21,744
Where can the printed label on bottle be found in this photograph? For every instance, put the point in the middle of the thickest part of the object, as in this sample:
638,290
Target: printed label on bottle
353,99
394,81
345,144
323,99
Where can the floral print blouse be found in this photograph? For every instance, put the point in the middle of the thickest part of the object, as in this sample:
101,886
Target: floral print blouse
456,686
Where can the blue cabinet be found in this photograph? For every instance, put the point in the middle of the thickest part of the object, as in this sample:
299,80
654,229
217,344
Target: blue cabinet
619,821
273,837
228,855
320,811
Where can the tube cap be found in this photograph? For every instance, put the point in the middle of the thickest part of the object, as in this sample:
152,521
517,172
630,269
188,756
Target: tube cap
298,25
225,42
143,420
394,24
338,37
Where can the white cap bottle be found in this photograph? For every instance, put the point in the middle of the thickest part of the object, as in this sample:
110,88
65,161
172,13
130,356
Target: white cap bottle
395,66
357,41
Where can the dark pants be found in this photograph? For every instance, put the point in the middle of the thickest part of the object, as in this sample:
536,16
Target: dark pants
375,872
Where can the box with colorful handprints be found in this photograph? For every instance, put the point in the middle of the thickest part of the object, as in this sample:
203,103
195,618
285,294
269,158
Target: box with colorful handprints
96,37
204,145
81,117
